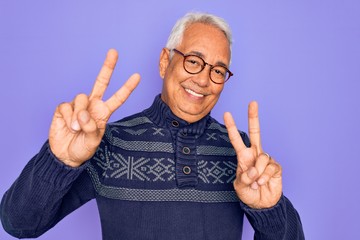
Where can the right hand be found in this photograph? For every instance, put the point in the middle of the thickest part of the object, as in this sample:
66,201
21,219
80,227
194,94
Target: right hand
78,126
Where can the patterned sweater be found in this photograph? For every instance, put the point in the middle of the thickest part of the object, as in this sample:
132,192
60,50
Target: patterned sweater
154,176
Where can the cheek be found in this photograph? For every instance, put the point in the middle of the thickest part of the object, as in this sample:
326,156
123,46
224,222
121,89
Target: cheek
215,96
172,83
176,77
217,89
174,69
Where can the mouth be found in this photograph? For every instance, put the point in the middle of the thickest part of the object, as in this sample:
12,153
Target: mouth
193,93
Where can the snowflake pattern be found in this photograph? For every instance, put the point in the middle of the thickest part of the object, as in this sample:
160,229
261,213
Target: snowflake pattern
130,168
162,169
217,171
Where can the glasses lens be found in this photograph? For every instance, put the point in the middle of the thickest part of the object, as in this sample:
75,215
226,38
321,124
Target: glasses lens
193,64
219,74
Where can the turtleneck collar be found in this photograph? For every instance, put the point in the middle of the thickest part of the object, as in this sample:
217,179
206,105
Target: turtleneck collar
160,114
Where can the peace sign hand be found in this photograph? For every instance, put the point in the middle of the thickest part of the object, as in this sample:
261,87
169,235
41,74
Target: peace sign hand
258,181
78,126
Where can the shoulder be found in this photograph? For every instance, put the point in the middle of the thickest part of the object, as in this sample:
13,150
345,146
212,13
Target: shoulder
122,139
134,120
134,125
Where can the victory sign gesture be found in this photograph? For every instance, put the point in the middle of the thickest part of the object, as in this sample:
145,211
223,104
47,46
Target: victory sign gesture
258,181
78,126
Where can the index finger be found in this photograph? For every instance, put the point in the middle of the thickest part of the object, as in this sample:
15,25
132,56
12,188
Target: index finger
103,79
254,126
116,100
235,139
233,132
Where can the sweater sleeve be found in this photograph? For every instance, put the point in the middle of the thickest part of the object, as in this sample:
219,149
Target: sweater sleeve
44,193
279,222
282,221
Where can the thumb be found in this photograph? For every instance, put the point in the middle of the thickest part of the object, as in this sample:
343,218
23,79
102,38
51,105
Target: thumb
92,134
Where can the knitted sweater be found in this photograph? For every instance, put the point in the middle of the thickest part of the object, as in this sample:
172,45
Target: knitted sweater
154,176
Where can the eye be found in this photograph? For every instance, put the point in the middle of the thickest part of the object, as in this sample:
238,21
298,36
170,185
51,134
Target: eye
192,61
219,71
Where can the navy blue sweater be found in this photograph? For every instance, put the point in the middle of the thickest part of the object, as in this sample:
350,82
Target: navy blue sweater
154,176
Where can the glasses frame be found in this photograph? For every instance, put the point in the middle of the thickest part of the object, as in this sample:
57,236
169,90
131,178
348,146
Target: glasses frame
203,66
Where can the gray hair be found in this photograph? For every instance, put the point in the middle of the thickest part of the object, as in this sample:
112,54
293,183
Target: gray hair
179,28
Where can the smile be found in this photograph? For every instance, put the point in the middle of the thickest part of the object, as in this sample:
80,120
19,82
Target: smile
194,93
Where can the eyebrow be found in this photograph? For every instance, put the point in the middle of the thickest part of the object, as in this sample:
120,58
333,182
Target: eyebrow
199,54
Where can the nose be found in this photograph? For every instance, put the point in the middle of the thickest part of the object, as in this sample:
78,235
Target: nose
203,78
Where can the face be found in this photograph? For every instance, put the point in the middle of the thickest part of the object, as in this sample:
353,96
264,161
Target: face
192,96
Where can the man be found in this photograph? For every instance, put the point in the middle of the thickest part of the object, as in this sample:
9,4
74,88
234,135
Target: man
168,172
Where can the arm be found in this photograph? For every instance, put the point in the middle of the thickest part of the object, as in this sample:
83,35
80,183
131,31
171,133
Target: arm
258,184
53,183
281,221
45,192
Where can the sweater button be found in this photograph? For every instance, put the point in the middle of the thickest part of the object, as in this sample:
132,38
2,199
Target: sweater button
175,123
186,170
186,150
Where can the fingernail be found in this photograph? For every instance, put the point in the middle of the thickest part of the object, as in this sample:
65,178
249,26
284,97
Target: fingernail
252,173
75,125
261,181
84,116
254,186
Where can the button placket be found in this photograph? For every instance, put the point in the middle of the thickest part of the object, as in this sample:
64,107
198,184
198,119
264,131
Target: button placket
186,163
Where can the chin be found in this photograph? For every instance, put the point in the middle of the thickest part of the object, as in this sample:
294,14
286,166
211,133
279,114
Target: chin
193,114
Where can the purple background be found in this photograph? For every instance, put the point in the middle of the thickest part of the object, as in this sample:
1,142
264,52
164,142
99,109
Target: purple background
299,59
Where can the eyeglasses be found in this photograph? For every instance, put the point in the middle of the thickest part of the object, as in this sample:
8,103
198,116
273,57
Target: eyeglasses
194,64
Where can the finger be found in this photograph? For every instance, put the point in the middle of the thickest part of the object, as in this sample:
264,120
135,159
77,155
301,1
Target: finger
88,125
93,135
103,79
235,138
233,132
80,103
254,126
262,162
116,100
271,170
247,179
66,111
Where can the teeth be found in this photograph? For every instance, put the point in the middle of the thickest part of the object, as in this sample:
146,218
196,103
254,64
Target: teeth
194,93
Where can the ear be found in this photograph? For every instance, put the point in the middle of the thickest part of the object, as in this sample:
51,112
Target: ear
164,61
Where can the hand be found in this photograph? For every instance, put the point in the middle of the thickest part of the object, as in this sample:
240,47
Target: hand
258,181
78,126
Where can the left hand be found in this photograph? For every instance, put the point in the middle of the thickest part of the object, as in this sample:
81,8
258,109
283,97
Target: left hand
258,181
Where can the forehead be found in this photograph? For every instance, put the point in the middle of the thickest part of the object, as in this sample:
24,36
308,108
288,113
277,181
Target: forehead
208,40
